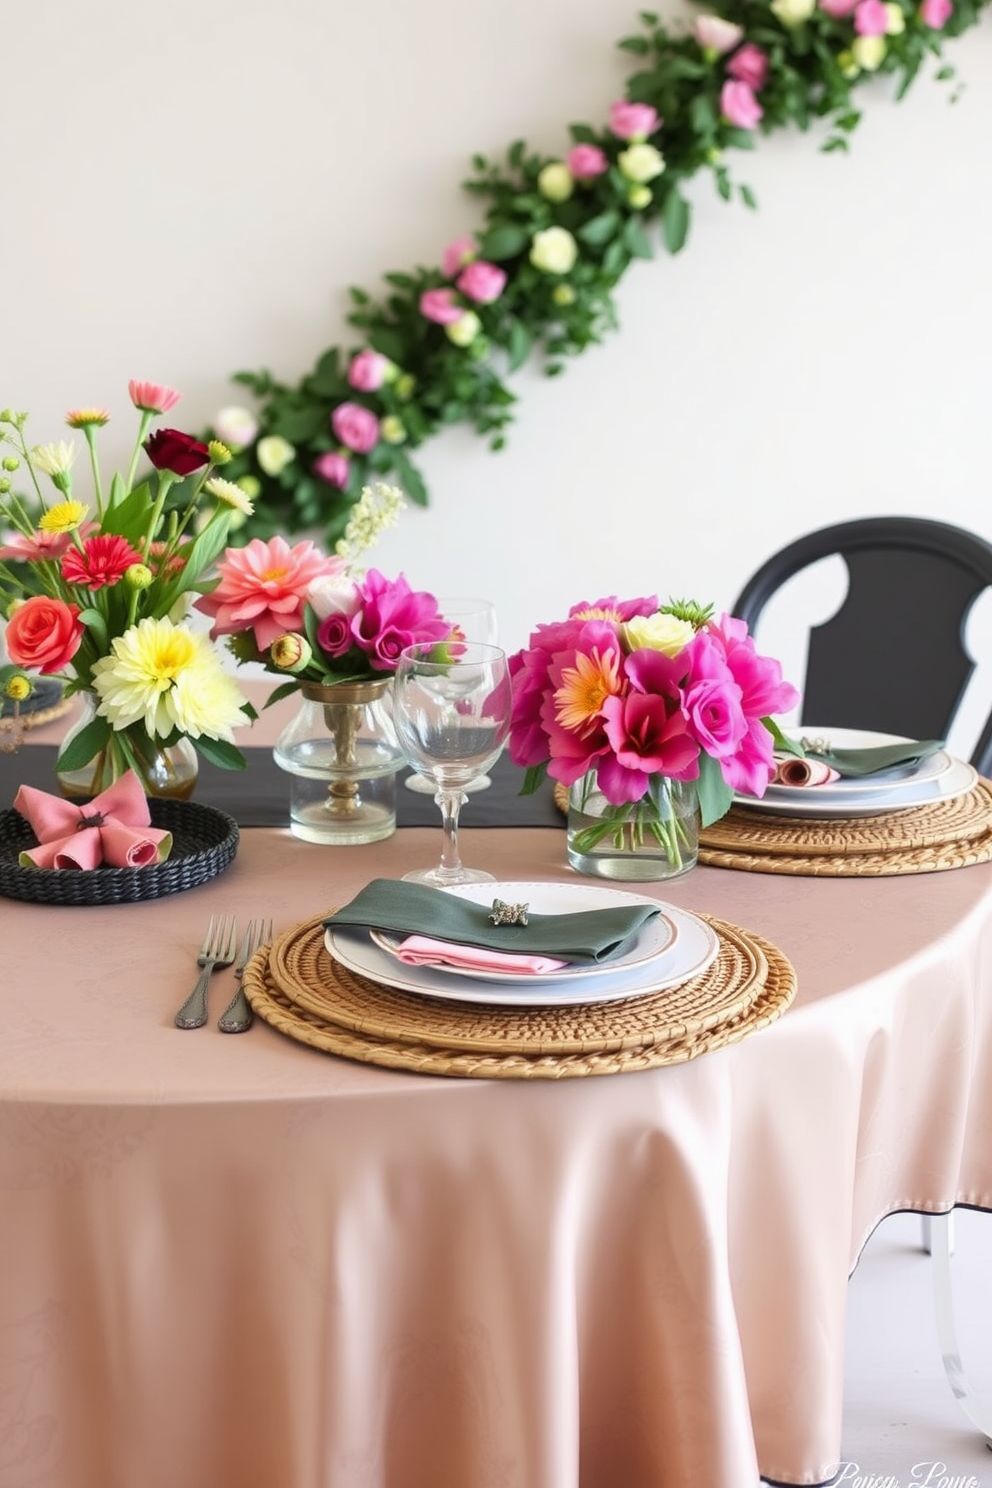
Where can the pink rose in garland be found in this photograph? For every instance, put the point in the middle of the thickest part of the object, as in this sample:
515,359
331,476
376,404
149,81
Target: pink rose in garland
633,121
586,162
936,13
368,370
482,282
632,696
739,106
356,427
749,64
439,305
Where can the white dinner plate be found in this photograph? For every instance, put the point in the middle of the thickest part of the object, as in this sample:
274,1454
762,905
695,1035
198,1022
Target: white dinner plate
956,782
653,939
694,947
895,780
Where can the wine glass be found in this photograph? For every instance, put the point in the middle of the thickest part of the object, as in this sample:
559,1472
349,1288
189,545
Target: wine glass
452,719
472,620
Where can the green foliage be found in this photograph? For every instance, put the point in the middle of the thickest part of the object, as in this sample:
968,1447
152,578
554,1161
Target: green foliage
812,77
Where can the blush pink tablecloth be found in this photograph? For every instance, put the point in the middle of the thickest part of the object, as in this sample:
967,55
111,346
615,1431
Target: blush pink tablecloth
235,1261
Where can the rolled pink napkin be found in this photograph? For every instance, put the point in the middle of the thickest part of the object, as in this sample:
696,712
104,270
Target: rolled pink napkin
112,830
421,950
791,770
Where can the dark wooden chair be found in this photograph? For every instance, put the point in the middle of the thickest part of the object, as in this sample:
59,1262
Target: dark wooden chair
893,657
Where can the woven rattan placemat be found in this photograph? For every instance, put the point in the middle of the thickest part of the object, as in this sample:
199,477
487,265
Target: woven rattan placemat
749,985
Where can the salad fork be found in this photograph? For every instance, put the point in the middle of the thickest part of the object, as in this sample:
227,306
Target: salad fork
217,950
237,1017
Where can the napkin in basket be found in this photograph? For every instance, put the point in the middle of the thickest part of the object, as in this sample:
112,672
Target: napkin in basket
113,830
586,936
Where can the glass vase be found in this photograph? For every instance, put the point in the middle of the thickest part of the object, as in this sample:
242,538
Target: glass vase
342,754
164,771
640,841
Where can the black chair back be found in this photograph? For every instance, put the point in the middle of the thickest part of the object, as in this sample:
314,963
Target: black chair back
893,657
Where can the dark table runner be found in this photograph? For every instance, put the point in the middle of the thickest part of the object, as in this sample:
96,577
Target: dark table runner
259,796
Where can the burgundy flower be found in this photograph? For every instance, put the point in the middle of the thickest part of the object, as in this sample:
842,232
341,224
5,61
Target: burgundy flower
171,449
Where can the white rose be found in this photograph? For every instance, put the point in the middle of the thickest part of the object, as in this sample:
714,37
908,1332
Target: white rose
274,453
464,331
332,594
641,163
658,633
793,12
895,21
555,182
714,34
235,426
868,52
554,251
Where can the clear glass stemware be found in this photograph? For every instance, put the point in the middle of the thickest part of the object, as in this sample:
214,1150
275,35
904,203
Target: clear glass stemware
452,718
472,619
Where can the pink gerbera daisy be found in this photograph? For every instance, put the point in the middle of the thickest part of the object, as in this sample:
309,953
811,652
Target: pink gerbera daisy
152,397
102,562
262,588
36,548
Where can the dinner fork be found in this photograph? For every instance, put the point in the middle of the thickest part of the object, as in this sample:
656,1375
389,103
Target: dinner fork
217,950
237,1016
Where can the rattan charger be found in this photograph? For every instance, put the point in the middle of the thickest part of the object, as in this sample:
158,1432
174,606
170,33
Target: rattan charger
302,992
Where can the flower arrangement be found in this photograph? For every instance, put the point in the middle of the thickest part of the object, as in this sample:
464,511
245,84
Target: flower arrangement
321,619
96,591
643,694
559,233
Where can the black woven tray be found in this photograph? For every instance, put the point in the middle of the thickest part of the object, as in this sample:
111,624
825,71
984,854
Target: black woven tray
204,844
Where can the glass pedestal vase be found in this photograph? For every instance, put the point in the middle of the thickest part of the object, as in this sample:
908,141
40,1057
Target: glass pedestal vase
639,842
166,772
342,753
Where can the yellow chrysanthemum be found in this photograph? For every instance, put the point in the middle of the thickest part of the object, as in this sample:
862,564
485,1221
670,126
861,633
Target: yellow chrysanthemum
64,516
166,676
585,687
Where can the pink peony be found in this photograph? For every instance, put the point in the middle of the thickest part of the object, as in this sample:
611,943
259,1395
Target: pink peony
739,106
870,18
457,254
712,698
367,371
838,10
714,34
37,548
392,617
103,561
586,162
438,305
482,282
356,427
152,397
750,65
332,467
262,588
936,13
632,121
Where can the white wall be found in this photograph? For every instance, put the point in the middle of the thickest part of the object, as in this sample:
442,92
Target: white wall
189,189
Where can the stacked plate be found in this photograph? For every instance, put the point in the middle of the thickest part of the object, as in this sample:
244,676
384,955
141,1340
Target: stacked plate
670,949
938,778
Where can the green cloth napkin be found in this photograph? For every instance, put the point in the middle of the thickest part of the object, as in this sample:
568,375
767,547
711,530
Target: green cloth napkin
415,909
854,763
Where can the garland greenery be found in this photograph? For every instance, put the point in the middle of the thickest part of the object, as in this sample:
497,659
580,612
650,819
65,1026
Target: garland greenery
437,347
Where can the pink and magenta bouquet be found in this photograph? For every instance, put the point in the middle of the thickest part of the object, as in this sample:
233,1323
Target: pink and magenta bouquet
641,693
301,613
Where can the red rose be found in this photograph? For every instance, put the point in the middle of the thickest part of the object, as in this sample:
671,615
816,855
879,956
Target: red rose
171,449
43,633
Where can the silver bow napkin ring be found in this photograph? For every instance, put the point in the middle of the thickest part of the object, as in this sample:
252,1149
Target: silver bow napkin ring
509,914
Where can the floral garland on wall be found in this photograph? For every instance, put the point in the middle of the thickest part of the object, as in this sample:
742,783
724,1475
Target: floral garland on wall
558,235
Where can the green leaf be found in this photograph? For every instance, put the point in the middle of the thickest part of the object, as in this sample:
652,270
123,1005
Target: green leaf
615,259
128,517
582,134
534,778
225,756
639,45
504,241
702,114
782,742
283,690
389,344
300,425
748,198
520,345
675,220
742,139
400,281
515,154
723,185
87,743
637,239
599,230
715,795
410,478
95,622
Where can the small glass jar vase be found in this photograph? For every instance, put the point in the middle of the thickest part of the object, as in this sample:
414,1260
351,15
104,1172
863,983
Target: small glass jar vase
342,754
640,841
166,772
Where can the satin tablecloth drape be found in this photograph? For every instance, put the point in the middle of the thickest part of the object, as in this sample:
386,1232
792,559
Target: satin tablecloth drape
237,1261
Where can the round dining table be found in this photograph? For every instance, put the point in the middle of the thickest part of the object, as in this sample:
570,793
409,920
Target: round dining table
237,1260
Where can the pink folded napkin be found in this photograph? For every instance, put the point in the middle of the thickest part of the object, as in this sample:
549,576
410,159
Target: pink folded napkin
791,770
114,829
421,950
